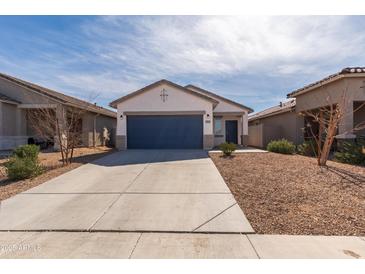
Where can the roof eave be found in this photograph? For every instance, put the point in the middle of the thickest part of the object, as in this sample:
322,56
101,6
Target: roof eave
325,82
272,114
248,109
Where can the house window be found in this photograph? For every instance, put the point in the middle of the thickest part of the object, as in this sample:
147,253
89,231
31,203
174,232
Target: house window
217,125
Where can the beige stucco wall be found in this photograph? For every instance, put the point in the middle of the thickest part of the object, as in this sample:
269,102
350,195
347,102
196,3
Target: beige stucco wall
12,126
9,128
22,94
223,106
255,135
351,86
286,125
177,102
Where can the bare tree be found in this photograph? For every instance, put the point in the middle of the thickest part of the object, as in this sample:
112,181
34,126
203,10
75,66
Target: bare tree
60,124
328,119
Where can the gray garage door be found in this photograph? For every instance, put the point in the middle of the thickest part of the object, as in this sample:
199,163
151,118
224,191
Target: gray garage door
165,132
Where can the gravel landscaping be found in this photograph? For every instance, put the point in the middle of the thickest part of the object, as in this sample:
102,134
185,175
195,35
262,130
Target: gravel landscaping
52,162
290,194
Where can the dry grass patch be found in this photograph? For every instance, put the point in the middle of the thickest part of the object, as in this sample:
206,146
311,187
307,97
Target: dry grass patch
290,194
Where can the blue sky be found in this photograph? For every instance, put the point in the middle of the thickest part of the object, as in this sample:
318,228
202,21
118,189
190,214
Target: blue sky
253,60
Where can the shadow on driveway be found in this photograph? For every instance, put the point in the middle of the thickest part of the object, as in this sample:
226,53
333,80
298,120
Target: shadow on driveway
134,157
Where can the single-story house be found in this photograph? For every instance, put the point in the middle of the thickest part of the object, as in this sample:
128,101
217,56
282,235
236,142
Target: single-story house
285,121
165,115
275,123
19,97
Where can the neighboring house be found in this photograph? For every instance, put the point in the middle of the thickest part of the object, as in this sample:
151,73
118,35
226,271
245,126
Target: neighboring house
275,123
284,121
17,97
165,115
349,82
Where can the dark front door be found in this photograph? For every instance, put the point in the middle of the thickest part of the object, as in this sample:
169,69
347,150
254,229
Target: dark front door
165,132
231,131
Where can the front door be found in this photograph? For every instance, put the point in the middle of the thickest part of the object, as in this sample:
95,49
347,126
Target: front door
231,131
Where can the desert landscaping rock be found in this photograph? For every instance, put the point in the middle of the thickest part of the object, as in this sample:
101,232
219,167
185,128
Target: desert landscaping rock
290,194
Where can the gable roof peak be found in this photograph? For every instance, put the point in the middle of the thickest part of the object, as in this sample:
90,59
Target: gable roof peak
157,83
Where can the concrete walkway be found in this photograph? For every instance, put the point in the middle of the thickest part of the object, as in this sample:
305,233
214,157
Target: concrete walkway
131,191
241,150
176,245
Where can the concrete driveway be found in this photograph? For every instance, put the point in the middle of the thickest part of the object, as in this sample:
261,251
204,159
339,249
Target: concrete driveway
135,190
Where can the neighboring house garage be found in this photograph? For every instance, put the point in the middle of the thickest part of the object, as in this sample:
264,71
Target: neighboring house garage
165,115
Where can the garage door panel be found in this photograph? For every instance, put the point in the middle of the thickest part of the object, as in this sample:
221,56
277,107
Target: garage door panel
165,132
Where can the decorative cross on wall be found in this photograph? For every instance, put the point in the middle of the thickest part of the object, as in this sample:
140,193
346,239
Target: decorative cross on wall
163,95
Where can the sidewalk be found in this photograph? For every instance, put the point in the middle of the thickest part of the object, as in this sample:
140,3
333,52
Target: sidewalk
176,245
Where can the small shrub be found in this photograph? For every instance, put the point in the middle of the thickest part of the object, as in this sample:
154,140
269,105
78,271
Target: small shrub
227,148
281,146
308,148
23,163
27,151
351,153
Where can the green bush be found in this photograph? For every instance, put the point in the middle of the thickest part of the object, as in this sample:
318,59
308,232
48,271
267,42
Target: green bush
227,148
281,146
351,153
308,148
24,163
27,151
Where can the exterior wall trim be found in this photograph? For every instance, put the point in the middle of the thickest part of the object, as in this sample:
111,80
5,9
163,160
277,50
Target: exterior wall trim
228,113
164,113
28,106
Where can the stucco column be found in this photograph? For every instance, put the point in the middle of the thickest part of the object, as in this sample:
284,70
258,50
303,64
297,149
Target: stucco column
208,137
121,133
244,136
346,125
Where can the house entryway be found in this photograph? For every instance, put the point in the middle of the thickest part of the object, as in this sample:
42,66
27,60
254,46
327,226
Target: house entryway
231,131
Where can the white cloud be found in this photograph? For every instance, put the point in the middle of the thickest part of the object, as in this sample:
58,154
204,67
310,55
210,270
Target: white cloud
229,45
110,56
